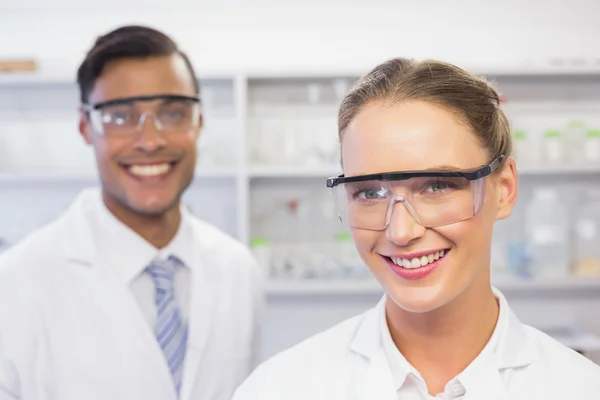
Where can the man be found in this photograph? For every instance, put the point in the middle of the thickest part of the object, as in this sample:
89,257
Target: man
128,296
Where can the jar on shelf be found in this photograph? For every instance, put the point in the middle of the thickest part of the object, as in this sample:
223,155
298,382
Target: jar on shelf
591,147
575,136
351,265
261,248
553,147
525,152
587,229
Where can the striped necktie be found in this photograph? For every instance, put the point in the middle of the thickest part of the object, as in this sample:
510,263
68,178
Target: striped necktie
171,332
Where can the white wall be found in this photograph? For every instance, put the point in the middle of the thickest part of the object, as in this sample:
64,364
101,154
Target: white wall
268,34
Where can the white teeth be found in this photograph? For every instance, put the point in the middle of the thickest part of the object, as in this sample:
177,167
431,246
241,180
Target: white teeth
418,262
150,170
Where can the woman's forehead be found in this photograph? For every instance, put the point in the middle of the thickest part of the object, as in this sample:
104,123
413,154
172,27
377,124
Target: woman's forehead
406,137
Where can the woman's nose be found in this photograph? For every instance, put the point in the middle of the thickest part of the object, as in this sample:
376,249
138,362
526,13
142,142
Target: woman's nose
402,227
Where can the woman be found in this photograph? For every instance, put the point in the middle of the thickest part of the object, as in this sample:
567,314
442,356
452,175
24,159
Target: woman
425,233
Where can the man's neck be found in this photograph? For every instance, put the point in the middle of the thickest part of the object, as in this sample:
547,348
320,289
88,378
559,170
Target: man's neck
158,230
442,343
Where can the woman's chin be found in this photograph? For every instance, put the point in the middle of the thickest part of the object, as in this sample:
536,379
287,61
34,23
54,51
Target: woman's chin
419,300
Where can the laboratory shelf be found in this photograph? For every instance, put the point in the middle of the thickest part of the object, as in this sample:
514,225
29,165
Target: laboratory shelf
569,283
66,176
290,287
577,169
529,69
59,75
318,287
271,171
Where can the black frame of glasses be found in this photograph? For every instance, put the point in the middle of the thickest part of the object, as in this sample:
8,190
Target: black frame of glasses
397,176
126,100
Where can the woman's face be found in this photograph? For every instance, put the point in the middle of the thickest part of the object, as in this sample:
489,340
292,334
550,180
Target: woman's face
411,136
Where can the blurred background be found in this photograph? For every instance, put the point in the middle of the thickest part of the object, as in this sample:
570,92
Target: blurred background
273,74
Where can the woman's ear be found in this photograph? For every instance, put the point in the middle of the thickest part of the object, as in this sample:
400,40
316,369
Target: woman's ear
507,182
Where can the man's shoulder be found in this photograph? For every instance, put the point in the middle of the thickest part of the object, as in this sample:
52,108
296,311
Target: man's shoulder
39,244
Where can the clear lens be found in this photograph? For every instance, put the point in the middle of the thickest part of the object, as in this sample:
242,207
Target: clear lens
125,119
432,201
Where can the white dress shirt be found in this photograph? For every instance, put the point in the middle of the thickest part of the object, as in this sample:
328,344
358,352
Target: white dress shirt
129,254
409,383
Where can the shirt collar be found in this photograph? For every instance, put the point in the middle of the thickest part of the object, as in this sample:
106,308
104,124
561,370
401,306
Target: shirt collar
506,348
126,252
399,365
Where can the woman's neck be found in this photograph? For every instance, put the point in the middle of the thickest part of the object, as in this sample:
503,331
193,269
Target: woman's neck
442,343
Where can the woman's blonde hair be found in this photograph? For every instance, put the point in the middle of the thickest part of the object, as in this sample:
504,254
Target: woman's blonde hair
472,99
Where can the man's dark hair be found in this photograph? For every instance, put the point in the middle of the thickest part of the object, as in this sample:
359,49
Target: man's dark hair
131,41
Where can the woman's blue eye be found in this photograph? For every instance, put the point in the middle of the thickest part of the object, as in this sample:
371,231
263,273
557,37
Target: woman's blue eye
438,186
368,194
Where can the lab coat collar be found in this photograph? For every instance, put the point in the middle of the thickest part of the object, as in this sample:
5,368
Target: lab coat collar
77,234
79,245
122,249
513,349
481,380
367,340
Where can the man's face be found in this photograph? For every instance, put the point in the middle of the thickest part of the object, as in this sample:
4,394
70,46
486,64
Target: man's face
144,169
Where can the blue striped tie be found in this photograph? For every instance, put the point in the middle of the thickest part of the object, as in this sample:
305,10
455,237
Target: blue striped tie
171,332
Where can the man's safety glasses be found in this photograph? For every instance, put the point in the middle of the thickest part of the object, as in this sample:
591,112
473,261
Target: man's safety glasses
433,198
173,114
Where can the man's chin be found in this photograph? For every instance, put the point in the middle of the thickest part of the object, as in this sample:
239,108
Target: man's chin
153,210
151,207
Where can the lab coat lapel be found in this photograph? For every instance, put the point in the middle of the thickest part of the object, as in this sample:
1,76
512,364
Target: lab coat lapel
202,298
108,292
484,381
376,382
484,378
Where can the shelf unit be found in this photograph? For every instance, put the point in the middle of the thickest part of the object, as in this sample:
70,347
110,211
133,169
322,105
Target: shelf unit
372,287
234,103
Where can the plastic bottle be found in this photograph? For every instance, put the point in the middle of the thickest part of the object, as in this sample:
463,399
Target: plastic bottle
587,230
575,136
499,251
351,264
523,148
554,149
262,252
547,235
591,146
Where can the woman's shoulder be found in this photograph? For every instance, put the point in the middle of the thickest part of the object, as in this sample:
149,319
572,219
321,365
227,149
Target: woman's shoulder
564,368
305,366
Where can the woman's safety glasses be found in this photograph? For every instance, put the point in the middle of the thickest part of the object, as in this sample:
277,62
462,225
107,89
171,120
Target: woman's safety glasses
122,117
433,198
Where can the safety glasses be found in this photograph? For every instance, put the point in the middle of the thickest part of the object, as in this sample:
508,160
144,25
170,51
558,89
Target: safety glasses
433,198
123,117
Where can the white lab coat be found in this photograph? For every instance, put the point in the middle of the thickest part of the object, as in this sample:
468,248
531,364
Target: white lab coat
347,362
70,330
